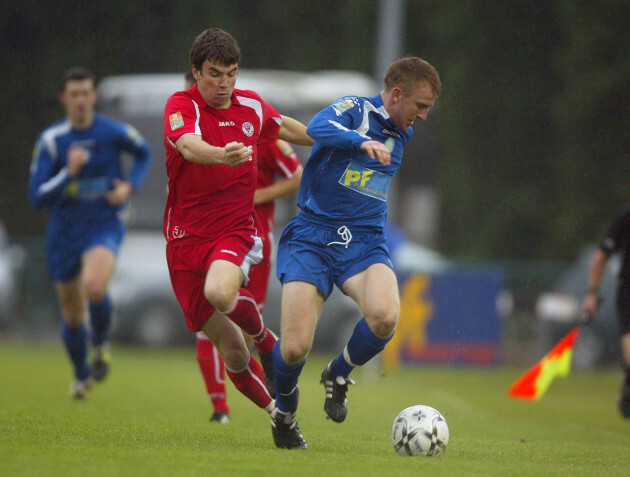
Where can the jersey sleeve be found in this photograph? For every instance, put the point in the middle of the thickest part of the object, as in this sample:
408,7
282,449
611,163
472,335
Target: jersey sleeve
335,125
47,180
181,117
618,233
272,120
134,143
286,161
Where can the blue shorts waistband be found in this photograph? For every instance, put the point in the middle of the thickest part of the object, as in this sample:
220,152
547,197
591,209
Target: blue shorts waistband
334,224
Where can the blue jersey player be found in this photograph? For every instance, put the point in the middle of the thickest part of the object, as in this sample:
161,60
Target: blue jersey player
77,174
338,238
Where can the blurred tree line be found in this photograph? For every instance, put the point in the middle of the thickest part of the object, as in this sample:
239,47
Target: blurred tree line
532,127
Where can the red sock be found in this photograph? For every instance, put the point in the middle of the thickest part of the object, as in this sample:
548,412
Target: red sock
251,382
213,372
246,315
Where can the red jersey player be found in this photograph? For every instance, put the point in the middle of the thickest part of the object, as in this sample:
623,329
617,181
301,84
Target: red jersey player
274,160
211,135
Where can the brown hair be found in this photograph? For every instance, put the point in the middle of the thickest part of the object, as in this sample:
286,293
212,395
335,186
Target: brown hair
77,73
214,45
410,71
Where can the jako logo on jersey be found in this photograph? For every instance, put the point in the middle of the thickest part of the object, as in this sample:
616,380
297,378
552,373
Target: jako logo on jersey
176,120
248,129
365,181
229,251
226,123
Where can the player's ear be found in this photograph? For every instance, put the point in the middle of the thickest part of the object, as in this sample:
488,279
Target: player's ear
396,94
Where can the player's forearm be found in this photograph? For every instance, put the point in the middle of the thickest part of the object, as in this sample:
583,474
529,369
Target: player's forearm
194,149
141,167
596,272
281,188
328,131
44,193
294,132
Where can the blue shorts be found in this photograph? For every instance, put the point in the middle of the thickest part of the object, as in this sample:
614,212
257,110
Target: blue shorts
67,241
325,254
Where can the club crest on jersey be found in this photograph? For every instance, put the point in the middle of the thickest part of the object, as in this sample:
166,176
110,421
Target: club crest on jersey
176,120
248,129
389,144
343,106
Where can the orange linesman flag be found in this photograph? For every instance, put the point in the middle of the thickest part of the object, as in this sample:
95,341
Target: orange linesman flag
533,384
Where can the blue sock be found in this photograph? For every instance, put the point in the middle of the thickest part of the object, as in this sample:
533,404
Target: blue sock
100,320
362,347
75,339
285,379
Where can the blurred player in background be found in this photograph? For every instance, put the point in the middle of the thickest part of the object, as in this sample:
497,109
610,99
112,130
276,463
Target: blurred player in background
211,135
77,174
617,240
338,238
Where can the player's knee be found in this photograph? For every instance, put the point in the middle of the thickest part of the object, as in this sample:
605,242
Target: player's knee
384,323
73,314
221,297
96,289
294,351
235,357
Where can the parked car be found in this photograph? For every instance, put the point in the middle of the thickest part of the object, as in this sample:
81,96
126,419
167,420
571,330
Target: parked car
559,310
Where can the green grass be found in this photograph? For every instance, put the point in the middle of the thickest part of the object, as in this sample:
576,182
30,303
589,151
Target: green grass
151,418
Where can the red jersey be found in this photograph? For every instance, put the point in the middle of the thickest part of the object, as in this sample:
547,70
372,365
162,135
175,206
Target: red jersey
208,201
275,159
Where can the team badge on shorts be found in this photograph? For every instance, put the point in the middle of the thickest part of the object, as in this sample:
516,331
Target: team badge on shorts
176,120
248,129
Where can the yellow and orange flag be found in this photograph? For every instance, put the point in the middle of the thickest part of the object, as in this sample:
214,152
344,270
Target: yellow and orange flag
534,383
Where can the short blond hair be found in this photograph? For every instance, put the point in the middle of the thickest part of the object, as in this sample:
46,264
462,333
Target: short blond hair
409,71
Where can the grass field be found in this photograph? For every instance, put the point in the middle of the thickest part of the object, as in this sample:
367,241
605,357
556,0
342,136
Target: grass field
151,418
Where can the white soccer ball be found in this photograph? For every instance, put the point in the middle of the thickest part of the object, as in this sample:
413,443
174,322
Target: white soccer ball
420,431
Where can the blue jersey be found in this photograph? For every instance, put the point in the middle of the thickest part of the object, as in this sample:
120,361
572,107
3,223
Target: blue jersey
82,198
340,184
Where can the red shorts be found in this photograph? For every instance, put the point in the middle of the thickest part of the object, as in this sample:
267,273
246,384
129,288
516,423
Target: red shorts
188,266
259,275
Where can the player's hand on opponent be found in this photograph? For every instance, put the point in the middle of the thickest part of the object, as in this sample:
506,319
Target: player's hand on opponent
236,153
78,156
377,150
120,193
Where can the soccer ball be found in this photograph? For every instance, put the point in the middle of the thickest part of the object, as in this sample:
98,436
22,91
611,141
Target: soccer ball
420,431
